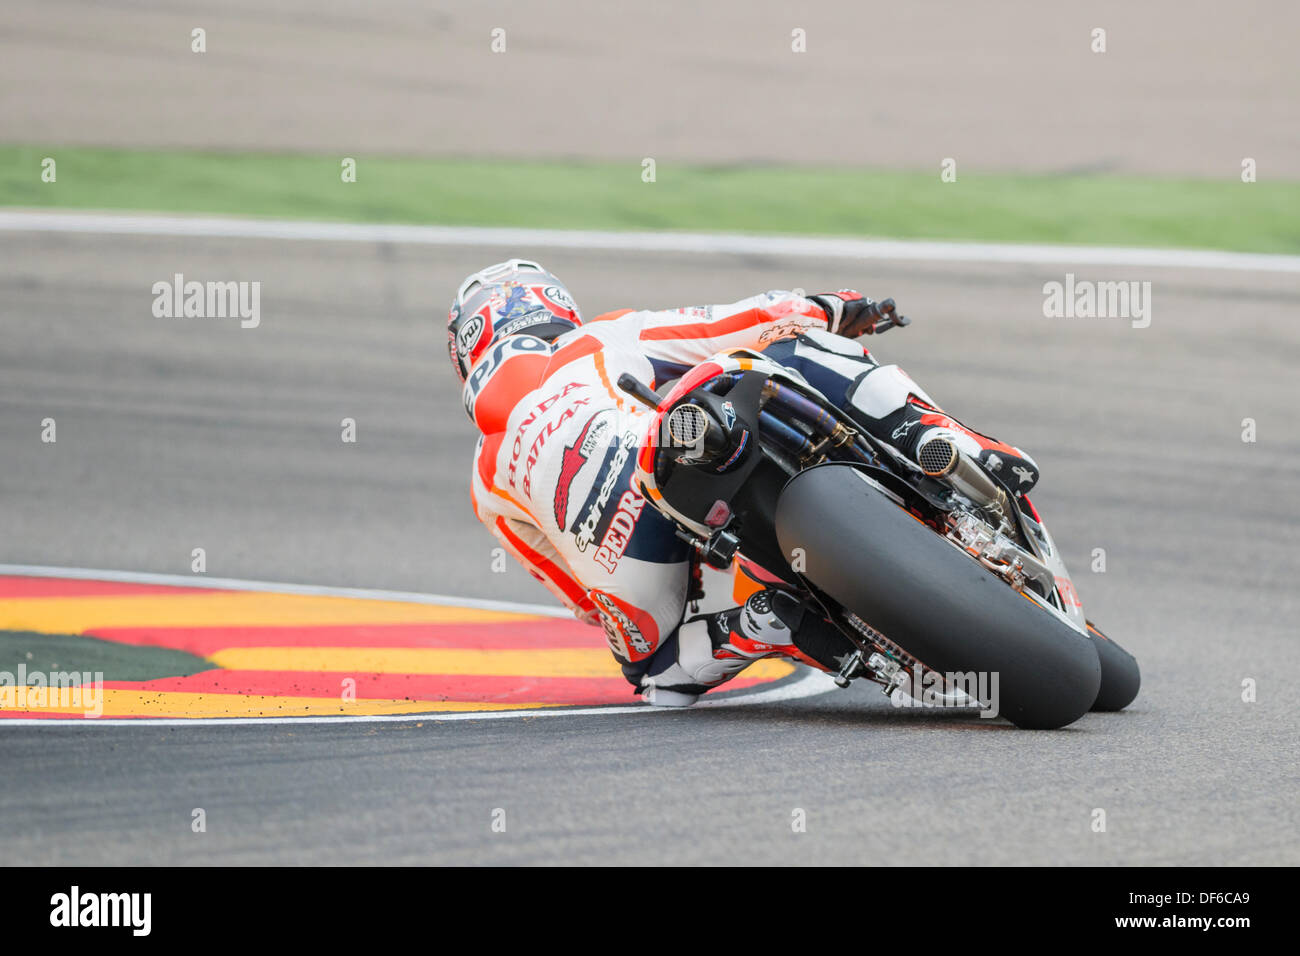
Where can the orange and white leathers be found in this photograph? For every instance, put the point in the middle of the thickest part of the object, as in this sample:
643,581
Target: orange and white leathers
552,477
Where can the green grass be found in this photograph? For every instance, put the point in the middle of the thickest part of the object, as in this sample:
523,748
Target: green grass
55,653
1218,214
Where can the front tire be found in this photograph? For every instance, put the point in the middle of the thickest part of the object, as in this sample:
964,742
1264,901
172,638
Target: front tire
952,615
1120,676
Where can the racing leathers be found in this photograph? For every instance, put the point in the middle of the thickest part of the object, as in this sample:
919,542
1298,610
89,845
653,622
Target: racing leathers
553,469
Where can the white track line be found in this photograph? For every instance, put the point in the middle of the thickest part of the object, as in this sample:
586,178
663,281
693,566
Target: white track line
808,684
236,584
681,242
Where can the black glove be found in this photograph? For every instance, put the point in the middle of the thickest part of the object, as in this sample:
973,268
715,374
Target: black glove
850,313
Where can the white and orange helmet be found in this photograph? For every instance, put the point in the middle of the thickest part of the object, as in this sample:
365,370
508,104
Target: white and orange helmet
510,298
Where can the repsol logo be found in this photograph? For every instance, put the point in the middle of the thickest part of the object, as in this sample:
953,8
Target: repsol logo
493,360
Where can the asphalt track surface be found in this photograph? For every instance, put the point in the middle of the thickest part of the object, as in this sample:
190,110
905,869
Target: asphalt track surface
175,434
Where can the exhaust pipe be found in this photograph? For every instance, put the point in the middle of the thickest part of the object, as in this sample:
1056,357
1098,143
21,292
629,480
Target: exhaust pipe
941,458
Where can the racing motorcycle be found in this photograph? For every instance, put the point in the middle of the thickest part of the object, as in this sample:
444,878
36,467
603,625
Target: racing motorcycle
934,570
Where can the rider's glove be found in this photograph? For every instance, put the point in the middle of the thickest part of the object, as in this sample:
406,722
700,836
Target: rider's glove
850,313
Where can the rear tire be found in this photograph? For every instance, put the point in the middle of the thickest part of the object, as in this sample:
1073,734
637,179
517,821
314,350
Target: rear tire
903,579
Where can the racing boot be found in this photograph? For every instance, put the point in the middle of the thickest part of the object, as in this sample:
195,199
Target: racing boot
710,650
896,410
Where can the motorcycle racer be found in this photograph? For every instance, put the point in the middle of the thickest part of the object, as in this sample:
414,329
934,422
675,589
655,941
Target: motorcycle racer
552,470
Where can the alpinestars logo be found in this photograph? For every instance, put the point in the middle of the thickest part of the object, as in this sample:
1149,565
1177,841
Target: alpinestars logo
575,456
902,430
584,533
783,330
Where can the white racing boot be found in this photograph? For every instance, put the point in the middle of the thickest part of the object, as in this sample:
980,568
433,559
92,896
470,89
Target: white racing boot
711,650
